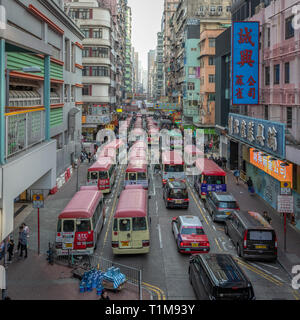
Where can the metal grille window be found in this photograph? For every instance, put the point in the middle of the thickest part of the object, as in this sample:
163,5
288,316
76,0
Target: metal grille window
211,61
289,30
86,32
212,42
100,52
85,52
287,72
98,33
276,74
267,76
100,71
289,117
85,71
191,86
211,78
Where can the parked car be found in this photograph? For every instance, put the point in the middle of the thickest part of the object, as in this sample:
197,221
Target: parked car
189,235
175,194
217,276
252,235
220,204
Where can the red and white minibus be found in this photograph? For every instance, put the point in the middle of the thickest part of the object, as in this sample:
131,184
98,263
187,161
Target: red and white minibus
103,174
130,230
80,223
136,173
172,166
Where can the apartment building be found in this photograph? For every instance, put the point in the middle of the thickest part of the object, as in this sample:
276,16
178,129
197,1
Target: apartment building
40,76
150,74
278,107
159,92
128,54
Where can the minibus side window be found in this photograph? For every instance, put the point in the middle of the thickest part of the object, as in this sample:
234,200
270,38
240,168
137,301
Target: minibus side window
59,225
139,224
142,176
68,226
94,175
131,176
115,227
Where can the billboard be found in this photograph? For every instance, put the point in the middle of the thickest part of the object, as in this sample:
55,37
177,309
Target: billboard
245,62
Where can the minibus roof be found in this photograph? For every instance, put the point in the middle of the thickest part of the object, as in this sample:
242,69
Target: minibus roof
209,167
102,164
132,203
137,165
171,157
82,205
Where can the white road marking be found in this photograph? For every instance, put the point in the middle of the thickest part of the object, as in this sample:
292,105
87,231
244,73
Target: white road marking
262,269
159,236
156,207
267,265
223,244
214,228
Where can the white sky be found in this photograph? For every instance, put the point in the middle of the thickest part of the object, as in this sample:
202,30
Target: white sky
146,22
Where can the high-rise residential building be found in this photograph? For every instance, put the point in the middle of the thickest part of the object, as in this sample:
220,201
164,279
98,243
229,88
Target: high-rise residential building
128,53
40,100
192,18
169,8
150,72
159,66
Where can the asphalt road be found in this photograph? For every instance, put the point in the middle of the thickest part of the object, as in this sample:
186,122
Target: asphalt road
165,271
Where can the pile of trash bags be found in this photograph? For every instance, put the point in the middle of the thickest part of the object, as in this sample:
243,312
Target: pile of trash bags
93,279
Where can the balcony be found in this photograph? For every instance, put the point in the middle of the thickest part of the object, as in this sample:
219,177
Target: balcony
24,130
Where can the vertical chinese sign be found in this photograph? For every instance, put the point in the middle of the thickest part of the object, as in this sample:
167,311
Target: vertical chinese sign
245,62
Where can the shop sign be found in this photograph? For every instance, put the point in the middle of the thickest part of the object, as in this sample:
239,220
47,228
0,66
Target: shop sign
262,134
275,168
245,62
286,187
38,200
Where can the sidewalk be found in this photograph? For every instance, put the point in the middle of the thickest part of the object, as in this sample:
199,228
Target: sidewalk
33,278
246,202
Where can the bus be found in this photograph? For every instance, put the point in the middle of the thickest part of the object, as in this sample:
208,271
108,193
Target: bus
191,153
137,173
80,223
103,174
209,178
172,166
130,230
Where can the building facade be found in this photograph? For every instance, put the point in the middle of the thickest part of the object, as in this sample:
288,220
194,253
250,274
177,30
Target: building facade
40,116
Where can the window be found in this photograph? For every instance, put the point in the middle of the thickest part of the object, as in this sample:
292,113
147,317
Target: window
191,86
85,52
289,117
268,37
85,71
228,8
141,176
124,224
276,74
139,224
289,30
287,72
68,226
86,32
83,225
267,76
193,230
100,71
212,9
211,61
191,71
97,33
100,52
211,78
220,9
260,235
94,175
212,42
266,112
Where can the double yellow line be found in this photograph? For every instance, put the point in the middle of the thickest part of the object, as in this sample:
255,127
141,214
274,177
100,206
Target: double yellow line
197,203
259,272
159,292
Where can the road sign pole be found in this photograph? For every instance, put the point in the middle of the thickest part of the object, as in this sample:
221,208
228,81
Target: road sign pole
38,231
285,231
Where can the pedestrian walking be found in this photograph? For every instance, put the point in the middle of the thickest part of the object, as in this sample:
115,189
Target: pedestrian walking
89,157
219,162
267,217
2,251
224,162
250,186
236,173
10,250
23,241
104,295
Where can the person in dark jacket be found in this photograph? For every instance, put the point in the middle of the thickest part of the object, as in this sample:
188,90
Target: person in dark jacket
250,185
10,249
104,295
23,241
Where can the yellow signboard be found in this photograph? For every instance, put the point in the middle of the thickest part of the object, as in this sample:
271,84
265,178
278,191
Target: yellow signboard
119,110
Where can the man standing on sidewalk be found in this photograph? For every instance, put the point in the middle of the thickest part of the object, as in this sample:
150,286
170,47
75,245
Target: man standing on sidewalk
236,173
23,242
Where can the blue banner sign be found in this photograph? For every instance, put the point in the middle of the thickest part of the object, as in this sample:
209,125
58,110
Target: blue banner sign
213,188
245,62
264,135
